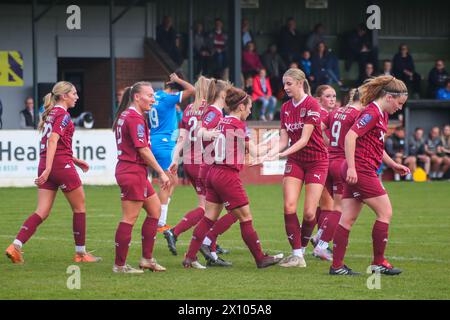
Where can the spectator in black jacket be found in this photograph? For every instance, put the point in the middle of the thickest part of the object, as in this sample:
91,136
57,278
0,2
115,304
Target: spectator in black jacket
27,114
395,148
436,78
403,68
275,67
417,148
290,42
324,67
166,38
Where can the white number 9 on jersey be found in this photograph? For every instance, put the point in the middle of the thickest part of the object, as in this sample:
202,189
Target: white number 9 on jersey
335,132
154,122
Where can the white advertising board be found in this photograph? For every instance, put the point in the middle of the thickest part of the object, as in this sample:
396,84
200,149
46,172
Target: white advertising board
19,156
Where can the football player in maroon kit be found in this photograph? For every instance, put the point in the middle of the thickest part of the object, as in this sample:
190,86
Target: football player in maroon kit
307,162
57,170
364,151
224,187
190,144
339,122
326,96
134,156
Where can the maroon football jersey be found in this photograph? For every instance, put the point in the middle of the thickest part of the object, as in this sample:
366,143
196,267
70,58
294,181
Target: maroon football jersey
293,118
191,121
339,122
58,121
371,127
229,146
131,133
210,120
324,114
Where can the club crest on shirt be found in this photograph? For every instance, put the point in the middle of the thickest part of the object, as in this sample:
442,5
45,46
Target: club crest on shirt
365,119
210,117
140,131
302,112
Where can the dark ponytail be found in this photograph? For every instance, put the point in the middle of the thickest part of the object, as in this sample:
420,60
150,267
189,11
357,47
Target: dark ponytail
123,106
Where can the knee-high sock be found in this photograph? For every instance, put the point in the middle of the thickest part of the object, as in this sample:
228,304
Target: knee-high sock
189,220
251,239
307,229
221,225
198,235
79,228
149,229
123,239
329,225
340,242
379,238
28,228
293,231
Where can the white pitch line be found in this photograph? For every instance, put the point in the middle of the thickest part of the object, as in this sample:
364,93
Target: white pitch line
185,243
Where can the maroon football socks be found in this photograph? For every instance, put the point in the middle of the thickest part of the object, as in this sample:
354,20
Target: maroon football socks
379,238
149,229
340,242
123,239
29,228
251,239
198,236
79,228
293,232
189,220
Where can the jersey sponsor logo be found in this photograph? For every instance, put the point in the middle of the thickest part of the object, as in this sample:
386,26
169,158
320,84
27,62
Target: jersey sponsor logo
210,117
313,114
302,112
294,126
365,119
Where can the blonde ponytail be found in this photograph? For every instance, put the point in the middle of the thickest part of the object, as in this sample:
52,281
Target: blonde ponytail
50,99
299,75
380,86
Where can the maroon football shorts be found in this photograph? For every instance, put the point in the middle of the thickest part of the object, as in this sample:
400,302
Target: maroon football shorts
65,177
335,183
133,182
192,172
368,185
223,185
309,172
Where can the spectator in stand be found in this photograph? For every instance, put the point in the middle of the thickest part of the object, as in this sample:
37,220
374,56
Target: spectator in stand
306,65
387,68
250,60
436,78
248,85
444,93
201,51
247,35
324,66
403,69
294,65
446,149
395,148
315,37
290,41
369,72
417,149
354,45
275,67
218,47
166,37
27,114
262,92
434,149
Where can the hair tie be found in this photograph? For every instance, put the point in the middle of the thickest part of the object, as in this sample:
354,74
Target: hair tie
242,100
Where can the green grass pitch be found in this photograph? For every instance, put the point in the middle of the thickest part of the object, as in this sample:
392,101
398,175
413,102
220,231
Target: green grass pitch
419,238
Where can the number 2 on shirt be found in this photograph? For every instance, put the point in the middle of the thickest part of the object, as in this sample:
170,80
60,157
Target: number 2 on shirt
335,132
193,122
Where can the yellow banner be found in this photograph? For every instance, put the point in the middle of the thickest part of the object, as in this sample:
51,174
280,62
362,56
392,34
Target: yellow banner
11,69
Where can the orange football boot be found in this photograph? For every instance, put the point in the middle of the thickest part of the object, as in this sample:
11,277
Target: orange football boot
164,228
85,257
14,254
